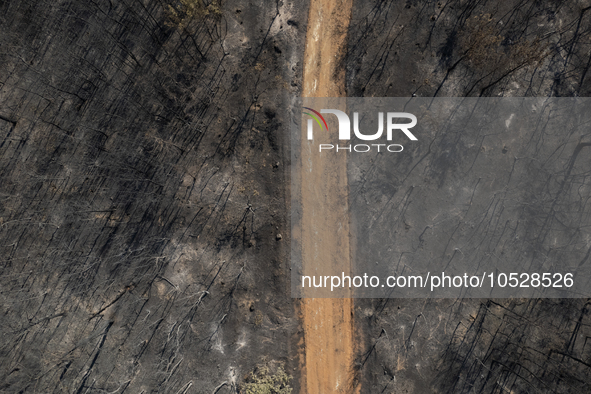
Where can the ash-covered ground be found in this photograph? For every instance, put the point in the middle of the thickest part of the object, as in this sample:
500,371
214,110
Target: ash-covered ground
144,186
490,49
142,194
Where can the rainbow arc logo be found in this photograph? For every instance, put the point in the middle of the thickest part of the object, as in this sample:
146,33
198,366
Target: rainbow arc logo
316,117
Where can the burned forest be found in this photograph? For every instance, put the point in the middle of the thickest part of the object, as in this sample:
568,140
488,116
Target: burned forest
145,194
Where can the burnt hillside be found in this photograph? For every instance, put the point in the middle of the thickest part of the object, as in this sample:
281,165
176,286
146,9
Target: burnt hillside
144,193
141,164
483,49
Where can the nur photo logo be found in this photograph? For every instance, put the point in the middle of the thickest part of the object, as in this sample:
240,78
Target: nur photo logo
391,123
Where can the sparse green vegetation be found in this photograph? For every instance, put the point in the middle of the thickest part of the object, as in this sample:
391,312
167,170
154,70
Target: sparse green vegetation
265,381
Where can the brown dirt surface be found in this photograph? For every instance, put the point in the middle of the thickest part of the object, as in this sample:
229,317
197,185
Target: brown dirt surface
328,323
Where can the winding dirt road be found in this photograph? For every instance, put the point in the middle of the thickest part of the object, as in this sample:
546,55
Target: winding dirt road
328,323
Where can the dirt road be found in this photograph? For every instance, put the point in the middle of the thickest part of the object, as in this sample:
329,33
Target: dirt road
328,323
